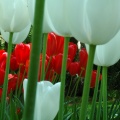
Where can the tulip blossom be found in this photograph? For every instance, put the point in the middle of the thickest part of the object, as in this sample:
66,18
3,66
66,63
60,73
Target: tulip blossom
107,54
72,49
13,63
60,44
18,37
47,25
83,56
2,74
93,21
73,68
55,44
14,15
47,100
51,44
22,53
93,78
3,58
58,17
57,63
12,83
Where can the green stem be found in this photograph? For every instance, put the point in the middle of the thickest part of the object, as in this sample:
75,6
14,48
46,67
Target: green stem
5,85
34,61
104,75
86,88
63,77
43,57
99,103
75,84
95,93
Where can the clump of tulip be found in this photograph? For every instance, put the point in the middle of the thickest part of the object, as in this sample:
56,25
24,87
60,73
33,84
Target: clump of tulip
51,59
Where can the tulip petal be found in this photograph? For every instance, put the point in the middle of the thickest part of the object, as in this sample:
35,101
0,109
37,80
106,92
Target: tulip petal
93,21
18,37
14,15
47,100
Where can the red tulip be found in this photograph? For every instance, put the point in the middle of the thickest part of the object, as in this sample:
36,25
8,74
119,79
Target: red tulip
60,44
93,78
54,44
51,44
57,63
72,49
49,75
73,68
2,74
22,53
46,64
83,57
13,63
1,52
12,83
83,61
3,58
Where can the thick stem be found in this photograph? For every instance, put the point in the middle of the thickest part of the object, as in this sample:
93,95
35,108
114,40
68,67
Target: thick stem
34,61
86,88
95,94
63,77
43,57
5,85
104,92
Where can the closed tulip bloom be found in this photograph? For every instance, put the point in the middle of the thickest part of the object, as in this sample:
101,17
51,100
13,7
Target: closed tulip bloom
93,78
47,25
57,15
47,100
107,54
18,37
93,21
2,74
14,15
57,63
22,53
73,68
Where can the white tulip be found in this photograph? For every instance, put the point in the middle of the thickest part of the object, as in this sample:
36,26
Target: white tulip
47,100
108,54
18,37
93,21
47,25
57,13
13,15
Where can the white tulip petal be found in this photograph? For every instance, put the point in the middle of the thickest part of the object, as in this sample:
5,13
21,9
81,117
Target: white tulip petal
47,100
93,21
57,14
18,37
14,15
47,25
25,82
107,54
51,101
